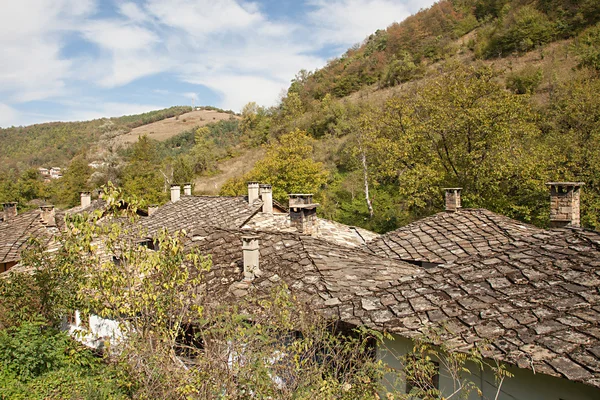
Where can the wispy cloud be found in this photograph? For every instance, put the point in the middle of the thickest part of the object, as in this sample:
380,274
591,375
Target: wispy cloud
235,48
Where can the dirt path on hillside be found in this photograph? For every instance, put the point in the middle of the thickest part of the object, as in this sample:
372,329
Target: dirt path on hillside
230,168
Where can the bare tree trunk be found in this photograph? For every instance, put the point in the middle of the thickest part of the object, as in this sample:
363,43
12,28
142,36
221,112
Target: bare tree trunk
366,178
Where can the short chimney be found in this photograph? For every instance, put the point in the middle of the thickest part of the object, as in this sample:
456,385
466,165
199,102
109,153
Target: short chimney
253,191
453,203
9,210
175,193
187,189
303,213
266,195
48,216
251,256
86,199
564,203
152,209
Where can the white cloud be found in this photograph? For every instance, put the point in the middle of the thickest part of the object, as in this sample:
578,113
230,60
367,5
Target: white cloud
233,47
350,21
8,115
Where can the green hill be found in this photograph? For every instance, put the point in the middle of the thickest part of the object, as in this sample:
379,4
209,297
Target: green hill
495,96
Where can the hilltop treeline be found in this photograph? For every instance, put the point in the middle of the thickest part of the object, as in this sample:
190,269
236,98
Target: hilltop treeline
401,52
56,143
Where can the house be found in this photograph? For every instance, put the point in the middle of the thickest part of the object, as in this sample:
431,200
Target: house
529,296
532,301
16,230
255,211
450,235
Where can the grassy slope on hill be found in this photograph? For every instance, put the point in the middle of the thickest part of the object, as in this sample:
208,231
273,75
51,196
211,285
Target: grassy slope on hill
56,143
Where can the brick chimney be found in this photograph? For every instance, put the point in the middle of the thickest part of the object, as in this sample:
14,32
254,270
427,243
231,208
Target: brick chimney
564,203
251,257
48,216
9,210
187,189
86,199
266,195
175,193
253,192
303,213
453,203
152,209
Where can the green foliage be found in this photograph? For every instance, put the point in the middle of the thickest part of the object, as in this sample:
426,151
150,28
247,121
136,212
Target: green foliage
56,143
141,177
38,362
519,30
525,81
399,70
587,47
288,166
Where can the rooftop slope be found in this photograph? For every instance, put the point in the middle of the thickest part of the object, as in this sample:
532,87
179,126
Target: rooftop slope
535,300
316,271
448,236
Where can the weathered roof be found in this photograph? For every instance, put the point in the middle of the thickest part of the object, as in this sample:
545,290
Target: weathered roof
536,301
194,211
328,230
97,204
15,233
448,236
315,270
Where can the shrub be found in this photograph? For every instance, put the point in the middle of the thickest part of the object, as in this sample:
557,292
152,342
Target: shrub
525,81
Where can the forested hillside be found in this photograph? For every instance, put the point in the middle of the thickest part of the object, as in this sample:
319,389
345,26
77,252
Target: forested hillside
56,143
494,96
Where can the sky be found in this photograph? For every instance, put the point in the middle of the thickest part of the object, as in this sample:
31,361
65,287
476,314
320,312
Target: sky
73,60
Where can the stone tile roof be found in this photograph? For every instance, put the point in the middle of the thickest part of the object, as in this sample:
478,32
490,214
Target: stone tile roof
15,233
536,301
97,204
316,271
193,211
328,230
446,237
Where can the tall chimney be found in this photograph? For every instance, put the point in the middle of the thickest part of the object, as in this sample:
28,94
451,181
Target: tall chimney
251,257
303,213
564,203
48,216
86,199
253,190
152,209
187,189
266,195
9,210
453,202
175,193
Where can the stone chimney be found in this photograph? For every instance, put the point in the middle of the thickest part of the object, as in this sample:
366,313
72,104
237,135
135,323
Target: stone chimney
251,257
564,203
303,213
187,189
9,210
48,216
152,209
175,193
253,192
266,195
453,203
86,199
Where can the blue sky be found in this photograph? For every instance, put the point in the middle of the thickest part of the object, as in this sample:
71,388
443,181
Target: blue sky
65,60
